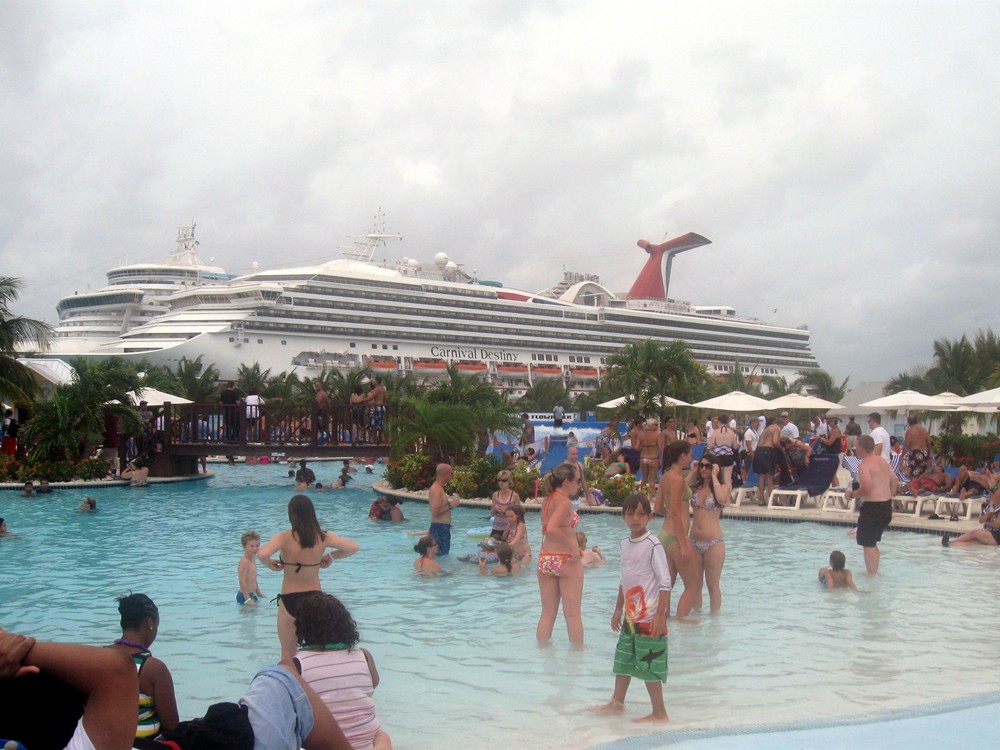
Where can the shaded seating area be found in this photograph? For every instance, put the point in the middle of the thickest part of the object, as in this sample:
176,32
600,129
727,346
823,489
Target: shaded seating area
815,480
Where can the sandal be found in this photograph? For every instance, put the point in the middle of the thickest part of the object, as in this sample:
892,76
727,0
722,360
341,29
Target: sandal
953,517
933,517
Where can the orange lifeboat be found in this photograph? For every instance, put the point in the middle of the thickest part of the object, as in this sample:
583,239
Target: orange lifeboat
546,371
430,368
512,370
383,364
583,373
470,367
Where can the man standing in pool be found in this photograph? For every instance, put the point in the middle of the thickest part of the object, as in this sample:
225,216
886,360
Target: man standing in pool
877,486
441,505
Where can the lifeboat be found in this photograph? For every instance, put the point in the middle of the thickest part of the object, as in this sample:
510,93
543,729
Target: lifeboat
546,371
583,373
430,368
470,367
383,364
512,370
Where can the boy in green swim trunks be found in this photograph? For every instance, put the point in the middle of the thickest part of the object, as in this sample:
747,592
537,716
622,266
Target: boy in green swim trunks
643,598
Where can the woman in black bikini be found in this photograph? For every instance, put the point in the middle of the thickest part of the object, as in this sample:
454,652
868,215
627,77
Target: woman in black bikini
301,553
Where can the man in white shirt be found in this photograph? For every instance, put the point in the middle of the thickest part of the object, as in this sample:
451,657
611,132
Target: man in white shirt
788,428
879,434
750,440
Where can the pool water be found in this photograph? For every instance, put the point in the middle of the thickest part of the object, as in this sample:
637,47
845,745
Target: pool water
456,654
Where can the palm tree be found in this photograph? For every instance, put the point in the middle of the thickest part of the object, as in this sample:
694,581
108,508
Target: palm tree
956,367
734,381
196,382
445,431
543,396
647,369
248,377
283,387
912,380
777,385
16,381
488,410
820,383
74,419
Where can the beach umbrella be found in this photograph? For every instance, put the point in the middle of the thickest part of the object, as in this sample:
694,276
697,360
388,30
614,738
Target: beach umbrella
957,403
155,397
798,401
983,399
907,400
735,401
660,401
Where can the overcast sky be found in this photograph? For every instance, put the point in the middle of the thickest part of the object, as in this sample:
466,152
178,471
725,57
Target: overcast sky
844,158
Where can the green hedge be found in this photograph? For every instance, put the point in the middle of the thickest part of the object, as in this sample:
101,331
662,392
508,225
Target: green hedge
974,451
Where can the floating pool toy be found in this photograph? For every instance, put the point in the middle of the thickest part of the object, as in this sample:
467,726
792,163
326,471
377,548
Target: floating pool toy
481,531
475,555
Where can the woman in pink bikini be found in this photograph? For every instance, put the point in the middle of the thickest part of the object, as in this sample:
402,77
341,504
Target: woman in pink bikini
560,572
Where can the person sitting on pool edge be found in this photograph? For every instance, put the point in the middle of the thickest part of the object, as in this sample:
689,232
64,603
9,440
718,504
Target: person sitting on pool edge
989,517
837,576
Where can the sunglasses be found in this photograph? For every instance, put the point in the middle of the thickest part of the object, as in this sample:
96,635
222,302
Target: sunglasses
704,466
505,481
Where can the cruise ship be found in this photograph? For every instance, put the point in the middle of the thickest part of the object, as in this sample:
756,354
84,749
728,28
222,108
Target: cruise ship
417,318
134,295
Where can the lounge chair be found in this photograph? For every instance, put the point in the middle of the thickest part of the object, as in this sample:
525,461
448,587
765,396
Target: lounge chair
910,503
748,492
835,499
815,480
947,506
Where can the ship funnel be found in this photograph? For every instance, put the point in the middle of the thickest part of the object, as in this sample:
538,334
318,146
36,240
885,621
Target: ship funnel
650,283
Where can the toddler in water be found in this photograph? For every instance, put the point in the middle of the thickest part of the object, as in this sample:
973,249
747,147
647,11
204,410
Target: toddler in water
837,576
592,556
249,592
341,673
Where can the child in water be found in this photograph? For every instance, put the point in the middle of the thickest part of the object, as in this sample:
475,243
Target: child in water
342,674
588,557
506,564
837,576
427,548
88,505
249,592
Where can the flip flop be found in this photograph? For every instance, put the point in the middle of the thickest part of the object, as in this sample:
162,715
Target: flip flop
934,517
953,517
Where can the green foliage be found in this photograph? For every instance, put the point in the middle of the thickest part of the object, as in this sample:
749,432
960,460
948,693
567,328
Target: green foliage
92,468
973,451
412,472
17,383
195,381
525,479
543,396
478,478
616,489
10,468
649,369
821,383
54,471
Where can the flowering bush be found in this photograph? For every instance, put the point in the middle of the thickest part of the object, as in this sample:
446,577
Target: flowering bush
10,468
616,489
525,479
92,468
414,472
973,451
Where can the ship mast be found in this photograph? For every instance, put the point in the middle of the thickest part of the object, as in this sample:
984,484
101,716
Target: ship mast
363,247
186,243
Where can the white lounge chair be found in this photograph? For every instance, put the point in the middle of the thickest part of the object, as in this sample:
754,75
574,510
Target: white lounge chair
913,503
814,482
952,506
835,499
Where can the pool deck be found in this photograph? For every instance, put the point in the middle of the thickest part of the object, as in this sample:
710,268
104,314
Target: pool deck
900,521
79,484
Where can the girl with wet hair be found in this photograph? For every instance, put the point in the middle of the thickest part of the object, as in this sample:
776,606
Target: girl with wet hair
302,551
140,621
342,674
506,564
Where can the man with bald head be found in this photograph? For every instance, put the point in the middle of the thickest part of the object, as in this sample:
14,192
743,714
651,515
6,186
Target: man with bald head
441,505
878,484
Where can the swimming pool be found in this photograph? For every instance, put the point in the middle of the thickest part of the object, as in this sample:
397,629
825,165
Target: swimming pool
456,654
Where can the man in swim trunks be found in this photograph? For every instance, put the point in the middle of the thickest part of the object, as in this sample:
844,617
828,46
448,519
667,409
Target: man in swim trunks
441,505
916,449
766,459
878,484
376,416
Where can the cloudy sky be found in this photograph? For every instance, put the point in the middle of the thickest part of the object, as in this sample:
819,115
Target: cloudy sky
843,157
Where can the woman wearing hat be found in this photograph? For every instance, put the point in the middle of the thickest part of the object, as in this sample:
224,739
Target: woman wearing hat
831,441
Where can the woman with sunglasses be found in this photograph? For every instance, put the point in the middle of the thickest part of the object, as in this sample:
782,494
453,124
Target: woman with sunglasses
711,494
672,498
503,500
427,548
560,572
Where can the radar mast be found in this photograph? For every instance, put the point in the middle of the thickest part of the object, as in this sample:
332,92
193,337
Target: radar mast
363,246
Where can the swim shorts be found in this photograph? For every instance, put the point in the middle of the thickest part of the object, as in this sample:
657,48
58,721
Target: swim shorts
376,418
765,460
916,460
240,599
442,535
640,655
873,519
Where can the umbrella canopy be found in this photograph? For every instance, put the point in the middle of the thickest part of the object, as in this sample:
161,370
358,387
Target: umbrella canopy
908,400
983,398
660,401
735,401
798,401
155,397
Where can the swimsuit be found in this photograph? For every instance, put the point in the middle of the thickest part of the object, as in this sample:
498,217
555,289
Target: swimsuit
291,601
666,538
149,723
298,566
442,535
241,599
550,563
710,504
702,547
376,419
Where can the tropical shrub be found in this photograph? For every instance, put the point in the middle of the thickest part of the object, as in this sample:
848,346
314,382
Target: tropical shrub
412,472
616,489
10,468
92,468
478,478
525,479
54,471
973,451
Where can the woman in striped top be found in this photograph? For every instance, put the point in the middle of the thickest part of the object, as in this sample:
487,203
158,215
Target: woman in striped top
333,665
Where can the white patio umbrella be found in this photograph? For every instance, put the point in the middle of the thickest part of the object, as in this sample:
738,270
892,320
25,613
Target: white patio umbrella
906,401
660,400
957,403
798,401
983,398
155,397
735,401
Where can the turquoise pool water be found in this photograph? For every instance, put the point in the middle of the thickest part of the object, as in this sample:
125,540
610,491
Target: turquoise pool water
457,656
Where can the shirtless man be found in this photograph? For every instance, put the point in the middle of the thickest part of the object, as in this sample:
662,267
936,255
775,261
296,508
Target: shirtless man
322,405
878,484
573,457
376,416
649,456
441,505
766,460
916,449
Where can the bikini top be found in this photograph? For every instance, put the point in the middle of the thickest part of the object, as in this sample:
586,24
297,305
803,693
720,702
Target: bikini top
710,503
572,524
298,565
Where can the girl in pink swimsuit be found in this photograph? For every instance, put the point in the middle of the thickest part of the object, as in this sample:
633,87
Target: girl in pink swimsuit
560,572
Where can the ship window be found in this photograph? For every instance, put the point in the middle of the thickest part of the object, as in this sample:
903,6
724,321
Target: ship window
385,346
246,341
260,341
353,345
374,346
231,339
283,342
395,348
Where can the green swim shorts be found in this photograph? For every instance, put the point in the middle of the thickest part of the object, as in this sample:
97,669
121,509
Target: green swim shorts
641,656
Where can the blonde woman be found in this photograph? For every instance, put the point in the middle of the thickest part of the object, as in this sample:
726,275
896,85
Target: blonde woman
559,567
503,500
